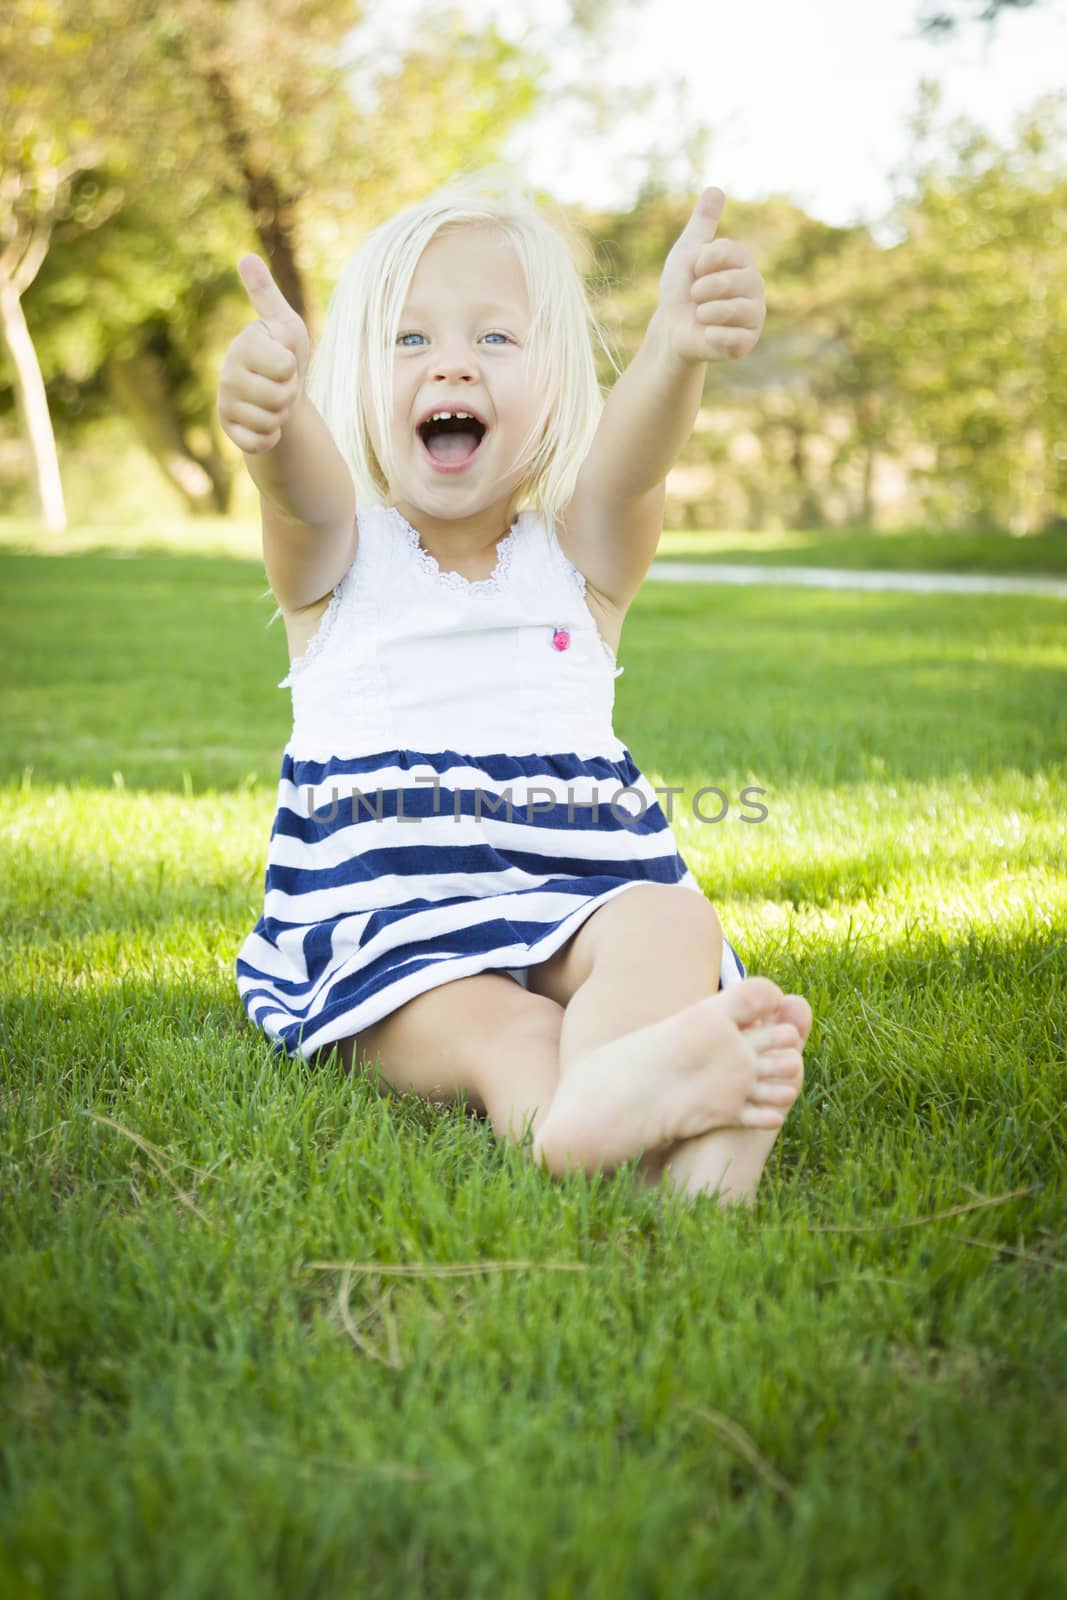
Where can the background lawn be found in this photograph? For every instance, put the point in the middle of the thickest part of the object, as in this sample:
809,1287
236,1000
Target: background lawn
912,550
545,1388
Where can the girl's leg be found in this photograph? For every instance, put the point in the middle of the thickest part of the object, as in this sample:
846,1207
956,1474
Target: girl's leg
481,1036
645,957
503,1046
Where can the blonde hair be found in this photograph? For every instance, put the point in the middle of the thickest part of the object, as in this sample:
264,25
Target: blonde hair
350,375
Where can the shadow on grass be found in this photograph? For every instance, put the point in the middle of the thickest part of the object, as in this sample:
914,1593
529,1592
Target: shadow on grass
955,1042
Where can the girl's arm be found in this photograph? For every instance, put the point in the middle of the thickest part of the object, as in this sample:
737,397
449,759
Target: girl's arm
308,507
307,498
711,307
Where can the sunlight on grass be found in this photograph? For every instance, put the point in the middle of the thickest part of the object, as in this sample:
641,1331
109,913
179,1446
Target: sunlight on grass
334,1331
862,860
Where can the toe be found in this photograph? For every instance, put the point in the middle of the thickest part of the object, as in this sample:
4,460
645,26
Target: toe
751,1000
772,1036
761,1116
796,1010
773,1092
787,1064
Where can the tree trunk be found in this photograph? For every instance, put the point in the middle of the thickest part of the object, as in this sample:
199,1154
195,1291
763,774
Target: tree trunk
866,413
32,401
868,513
273,213
142,386
809,511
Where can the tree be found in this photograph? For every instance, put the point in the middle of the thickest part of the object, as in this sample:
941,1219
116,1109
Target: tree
944,355
981,342
156,119
60,72
264,96
936,21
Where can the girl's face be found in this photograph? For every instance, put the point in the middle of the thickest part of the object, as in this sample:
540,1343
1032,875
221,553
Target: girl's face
463,345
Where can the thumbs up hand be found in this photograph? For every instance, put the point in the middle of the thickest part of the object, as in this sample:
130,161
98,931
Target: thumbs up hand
262,374
711,302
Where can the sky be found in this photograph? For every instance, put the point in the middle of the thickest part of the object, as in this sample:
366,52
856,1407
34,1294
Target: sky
809,100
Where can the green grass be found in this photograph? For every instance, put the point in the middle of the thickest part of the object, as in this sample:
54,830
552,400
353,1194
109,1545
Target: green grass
574,1388
908,550
857,549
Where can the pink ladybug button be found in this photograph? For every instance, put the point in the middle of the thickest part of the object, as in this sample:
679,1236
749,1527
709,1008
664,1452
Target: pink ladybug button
561,639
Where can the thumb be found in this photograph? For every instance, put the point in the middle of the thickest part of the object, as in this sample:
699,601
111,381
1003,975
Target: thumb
707,214
267,299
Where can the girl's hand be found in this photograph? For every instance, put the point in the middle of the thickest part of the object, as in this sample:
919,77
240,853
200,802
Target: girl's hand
711,303
262,374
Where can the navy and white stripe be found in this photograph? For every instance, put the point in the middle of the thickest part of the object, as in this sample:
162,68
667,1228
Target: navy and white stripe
362,912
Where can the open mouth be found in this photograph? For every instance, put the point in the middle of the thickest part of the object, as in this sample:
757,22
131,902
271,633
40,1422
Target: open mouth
452,442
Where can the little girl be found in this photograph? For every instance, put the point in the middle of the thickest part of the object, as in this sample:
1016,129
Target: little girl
455,523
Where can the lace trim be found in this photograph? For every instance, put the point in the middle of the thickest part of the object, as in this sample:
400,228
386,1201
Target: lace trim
317,643
505,550
576,574
579,579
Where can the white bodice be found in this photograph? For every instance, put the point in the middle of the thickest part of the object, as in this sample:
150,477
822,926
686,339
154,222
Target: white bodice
407,657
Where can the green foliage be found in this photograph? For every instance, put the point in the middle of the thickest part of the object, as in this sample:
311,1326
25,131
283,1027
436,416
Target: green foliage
978,331
943,353
938,22
198,132
918,382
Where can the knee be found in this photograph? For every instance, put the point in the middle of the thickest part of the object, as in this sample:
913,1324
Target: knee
704,915
675,910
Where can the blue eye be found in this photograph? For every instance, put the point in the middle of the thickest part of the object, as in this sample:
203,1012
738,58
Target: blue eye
412,335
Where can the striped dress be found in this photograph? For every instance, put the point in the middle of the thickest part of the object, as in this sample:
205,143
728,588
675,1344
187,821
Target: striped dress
452,798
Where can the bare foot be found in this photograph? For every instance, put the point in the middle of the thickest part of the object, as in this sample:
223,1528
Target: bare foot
725,1061
728,1162
732,1158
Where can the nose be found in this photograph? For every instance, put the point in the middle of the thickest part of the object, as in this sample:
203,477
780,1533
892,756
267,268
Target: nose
455,361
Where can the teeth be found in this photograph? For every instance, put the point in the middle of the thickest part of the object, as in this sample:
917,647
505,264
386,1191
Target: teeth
445,416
